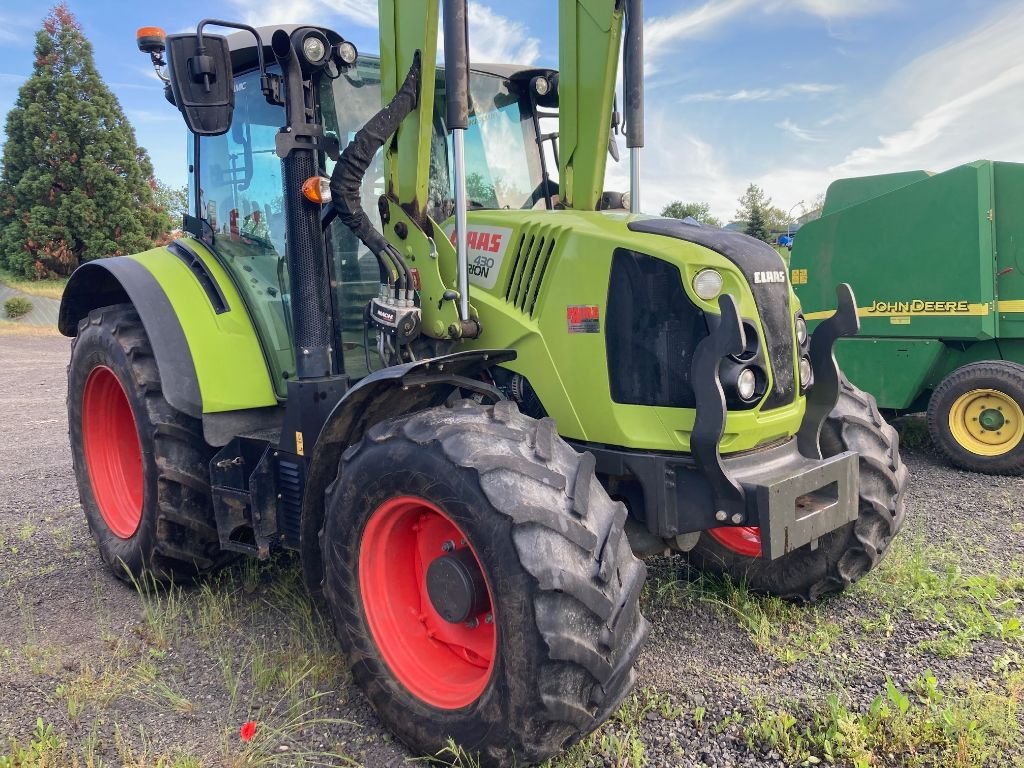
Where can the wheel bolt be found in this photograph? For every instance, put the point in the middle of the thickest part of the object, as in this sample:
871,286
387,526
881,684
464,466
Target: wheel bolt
721,515
489,618
473,623
448,546
737,518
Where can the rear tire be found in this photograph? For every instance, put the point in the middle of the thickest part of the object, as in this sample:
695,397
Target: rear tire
141,466
846,554
563,586
994,388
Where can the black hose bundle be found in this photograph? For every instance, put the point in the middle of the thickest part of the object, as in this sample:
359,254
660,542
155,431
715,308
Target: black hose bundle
347,178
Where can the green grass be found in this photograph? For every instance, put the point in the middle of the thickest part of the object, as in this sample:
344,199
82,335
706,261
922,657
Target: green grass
51,288
928,584
925,724
17,306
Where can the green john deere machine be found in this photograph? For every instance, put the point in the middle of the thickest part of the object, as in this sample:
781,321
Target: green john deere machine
937,261
416,345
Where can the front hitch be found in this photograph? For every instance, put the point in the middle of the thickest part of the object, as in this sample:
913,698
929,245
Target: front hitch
824,395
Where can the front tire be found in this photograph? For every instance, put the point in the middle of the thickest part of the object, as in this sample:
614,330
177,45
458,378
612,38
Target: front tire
844,555
548,652
976,417
141,465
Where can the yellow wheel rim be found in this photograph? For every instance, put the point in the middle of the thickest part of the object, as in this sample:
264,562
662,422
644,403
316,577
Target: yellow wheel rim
987,422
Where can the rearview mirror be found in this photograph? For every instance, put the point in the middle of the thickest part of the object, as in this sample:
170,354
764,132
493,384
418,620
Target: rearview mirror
201,81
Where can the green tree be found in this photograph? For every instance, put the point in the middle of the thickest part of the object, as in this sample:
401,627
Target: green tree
759,216
172,200
700,211
75,186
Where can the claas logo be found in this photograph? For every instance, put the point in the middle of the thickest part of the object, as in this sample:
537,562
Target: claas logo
481,241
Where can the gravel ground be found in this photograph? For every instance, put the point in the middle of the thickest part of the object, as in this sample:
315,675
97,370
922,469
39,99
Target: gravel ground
125,679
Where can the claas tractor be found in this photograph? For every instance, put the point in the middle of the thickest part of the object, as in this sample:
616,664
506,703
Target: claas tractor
408,335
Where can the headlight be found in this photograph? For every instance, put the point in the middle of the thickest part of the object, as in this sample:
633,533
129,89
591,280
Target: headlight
801,329
805,372
746,383
314,49
347,53
707,284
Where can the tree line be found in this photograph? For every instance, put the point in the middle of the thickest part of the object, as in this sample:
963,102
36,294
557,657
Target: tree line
756,214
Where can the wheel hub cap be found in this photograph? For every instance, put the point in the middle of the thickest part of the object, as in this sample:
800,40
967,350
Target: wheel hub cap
986,422
441,647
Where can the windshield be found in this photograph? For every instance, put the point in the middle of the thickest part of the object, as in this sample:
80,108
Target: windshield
502,160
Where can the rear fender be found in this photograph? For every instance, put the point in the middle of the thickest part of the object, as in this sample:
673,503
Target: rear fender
386,394
206,348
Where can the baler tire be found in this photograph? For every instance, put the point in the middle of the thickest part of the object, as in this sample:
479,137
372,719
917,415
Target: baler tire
848,553
176,535
1003,377
563,583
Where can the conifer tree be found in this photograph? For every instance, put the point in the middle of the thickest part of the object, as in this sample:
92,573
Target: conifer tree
74,185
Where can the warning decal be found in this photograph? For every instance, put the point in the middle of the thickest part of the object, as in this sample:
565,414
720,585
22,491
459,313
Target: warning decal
584,318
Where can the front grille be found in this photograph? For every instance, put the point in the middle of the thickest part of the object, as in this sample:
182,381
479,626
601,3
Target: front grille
652,328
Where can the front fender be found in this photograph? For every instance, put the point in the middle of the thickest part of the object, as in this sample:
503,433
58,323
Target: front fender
203,339
384,394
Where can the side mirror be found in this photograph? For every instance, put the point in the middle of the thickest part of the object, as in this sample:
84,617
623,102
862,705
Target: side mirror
202,81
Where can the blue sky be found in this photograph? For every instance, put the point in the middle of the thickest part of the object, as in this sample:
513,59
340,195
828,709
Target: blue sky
789,94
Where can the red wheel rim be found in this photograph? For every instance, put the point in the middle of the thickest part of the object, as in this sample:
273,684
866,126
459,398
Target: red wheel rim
113,455
741,539
445,665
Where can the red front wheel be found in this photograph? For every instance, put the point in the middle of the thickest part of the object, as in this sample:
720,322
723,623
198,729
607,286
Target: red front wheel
481,583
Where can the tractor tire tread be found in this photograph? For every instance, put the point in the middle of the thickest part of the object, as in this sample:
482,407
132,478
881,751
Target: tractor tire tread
185,542
563,540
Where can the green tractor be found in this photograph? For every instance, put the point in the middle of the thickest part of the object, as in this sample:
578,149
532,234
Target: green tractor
937,262
460,383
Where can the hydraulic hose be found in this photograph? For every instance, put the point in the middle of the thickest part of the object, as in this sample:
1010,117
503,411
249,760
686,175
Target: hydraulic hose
347,178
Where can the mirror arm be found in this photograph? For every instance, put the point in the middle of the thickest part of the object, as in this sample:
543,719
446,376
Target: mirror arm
268,83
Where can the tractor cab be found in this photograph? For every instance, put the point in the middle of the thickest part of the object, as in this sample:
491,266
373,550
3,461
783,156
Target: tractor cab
236,191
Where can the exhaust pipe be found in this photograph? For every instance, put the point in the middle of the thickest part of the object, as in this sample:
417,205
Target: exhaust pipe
456,80
633,95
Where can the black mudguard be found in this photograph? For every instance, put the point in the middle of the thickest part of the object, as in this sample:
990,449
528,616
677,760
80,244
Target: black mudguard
385,394
107,282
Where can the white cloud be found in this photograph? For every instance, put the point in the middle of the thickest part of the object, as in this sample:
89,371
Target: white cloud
492,37
496,38
956,103
780,93
701,21
794,130
362,12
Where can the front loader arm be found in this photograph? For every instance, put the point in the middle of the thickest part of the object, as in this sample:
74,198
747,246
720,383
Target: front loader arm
589,32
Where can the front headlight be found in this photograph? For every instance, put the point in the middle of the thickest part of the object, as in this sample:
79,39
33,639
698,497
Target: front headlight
805,372
707,284
746,384
801,330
